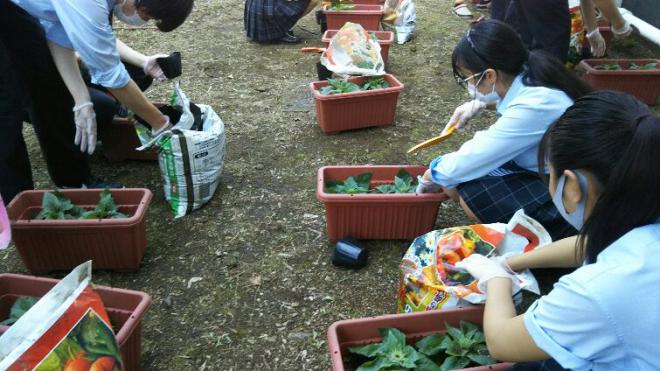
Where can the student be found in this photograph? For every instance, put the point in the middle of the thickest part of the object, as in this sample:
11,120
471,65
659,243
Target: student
495,174
604,174
272,20
38,44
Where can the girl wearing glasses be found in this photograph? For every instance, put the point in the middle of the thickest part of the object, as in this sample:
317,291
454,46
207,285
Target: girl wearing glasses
496,173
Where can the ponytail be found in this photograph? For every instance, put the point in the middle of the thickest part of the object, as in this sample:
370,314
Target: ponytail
494,44
544,69
615,138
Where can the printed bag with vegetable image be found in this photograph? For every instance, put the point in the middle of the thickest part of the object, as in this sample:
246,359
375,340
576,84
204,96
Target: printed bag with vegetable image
67,329
429,278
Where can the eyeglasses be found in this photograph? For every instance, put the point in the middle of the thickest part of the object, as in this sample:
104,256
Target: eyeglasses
463,82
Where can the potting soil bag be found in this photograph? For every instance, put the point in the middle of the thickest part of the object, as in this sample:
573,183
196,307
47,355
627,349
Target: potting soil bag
353,51
191,158
5,227
429,279
67,329
400,17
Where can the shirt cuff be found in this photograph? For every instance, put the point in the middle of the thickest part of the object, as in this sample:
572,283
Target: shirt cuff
437,176
560,354
115,78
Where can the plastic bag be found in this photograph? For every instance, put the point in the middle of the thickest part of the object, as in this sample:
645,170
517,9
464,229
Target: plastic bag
401,18
190,158
5,227
68,328
429,279
353,51
578,47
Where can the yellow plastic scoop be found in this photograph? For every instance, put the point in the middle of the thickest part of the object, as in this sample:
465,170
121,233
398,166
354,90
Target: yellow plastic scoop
434,141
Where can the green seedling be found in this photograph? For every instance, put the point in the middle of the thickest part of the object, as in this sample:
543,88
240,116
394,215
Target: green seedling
55,206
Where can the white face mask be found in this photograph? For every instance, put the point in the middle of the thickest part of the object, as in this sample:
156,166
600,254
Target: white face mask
491,97
133,20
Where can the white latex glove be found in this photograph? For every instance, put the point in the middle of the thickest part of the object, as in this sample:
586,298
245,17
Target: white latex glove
463,114
152,68
427,186
85,119
597,43
625,31
483,269
501,260
164,128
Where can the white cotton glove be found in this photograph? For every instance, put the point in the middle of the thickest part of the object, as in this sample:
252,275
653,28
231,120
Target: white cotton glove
427,186
597,43
152,68
165,127
85,119
463,114
483,269
625,31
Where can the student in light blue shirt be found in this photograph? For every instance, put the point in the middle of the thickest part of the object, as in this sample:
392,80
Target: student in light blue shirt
495,174
604,176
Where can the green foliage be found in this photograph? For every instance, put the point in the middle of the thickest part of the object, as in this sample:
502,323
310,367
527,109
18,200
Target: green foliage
404,182
375,82
341,5
18,309
105,209
336,86
55,206
633,66
458,348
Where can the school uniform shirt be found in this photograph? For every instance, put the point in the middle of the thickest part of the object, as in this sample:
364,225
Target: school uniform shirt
84,26
605,315
525,113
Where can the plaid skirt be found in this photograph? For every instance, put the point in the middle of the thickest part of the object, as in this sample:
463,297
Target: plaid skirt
266,20
497,196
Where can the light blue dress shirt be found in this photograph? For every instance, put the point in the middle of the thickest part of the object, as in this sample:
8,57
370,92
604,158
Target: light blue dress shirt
525,113
605,315
84,26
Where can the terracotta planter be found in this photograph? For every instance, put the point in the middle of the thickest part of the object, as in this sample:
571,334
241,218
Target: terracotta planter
357,332
126,308
385,39
643,84
367,15
120,140
377,216
369,2
47,245
361,109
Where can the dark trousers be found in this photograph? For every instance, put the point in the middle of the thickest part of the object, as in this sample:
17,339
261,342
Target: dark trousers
542,24
29,80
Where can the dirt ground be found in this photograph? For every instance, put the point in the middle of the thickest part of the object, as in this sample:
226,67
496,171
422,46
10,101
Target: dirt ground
268,291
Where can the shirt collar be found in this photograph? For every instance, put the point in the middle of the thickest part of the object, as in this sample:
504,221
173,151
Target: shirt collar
510,94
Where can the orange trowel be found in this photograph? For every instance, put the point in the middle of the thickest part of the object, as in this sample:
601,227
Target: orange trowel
433,141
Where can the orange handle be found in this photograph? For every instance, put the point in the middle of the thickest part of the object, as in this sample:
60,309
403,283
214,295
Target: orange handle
312,50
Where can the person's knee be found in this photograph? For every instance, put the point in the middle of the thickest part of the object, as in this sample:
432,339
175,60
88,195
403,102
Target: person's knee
468,211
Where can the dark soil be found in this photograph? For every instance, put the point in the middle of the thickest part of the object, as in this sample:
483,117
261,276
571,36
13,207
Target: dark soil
268,291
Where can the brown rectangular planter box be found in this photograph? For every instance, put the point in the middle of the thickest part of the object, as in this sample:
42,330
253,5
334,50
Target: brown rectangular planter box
365,14
358,332
645,85
120,140
361,109
48,245
377,216
126,308
385,39
369,2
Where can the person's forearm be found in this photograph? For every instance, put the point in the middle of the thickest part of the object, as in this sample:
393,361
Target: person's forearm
588,15
611,12
67,65
131,96
130,55
559,254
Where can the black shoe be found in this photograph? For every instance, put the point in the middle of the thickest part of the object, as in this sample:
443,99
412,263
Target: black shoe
94,182
290,38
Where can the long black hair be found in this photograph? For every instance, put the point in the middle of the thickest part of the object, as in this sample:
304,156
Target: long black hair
169,14
616,138
494,44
